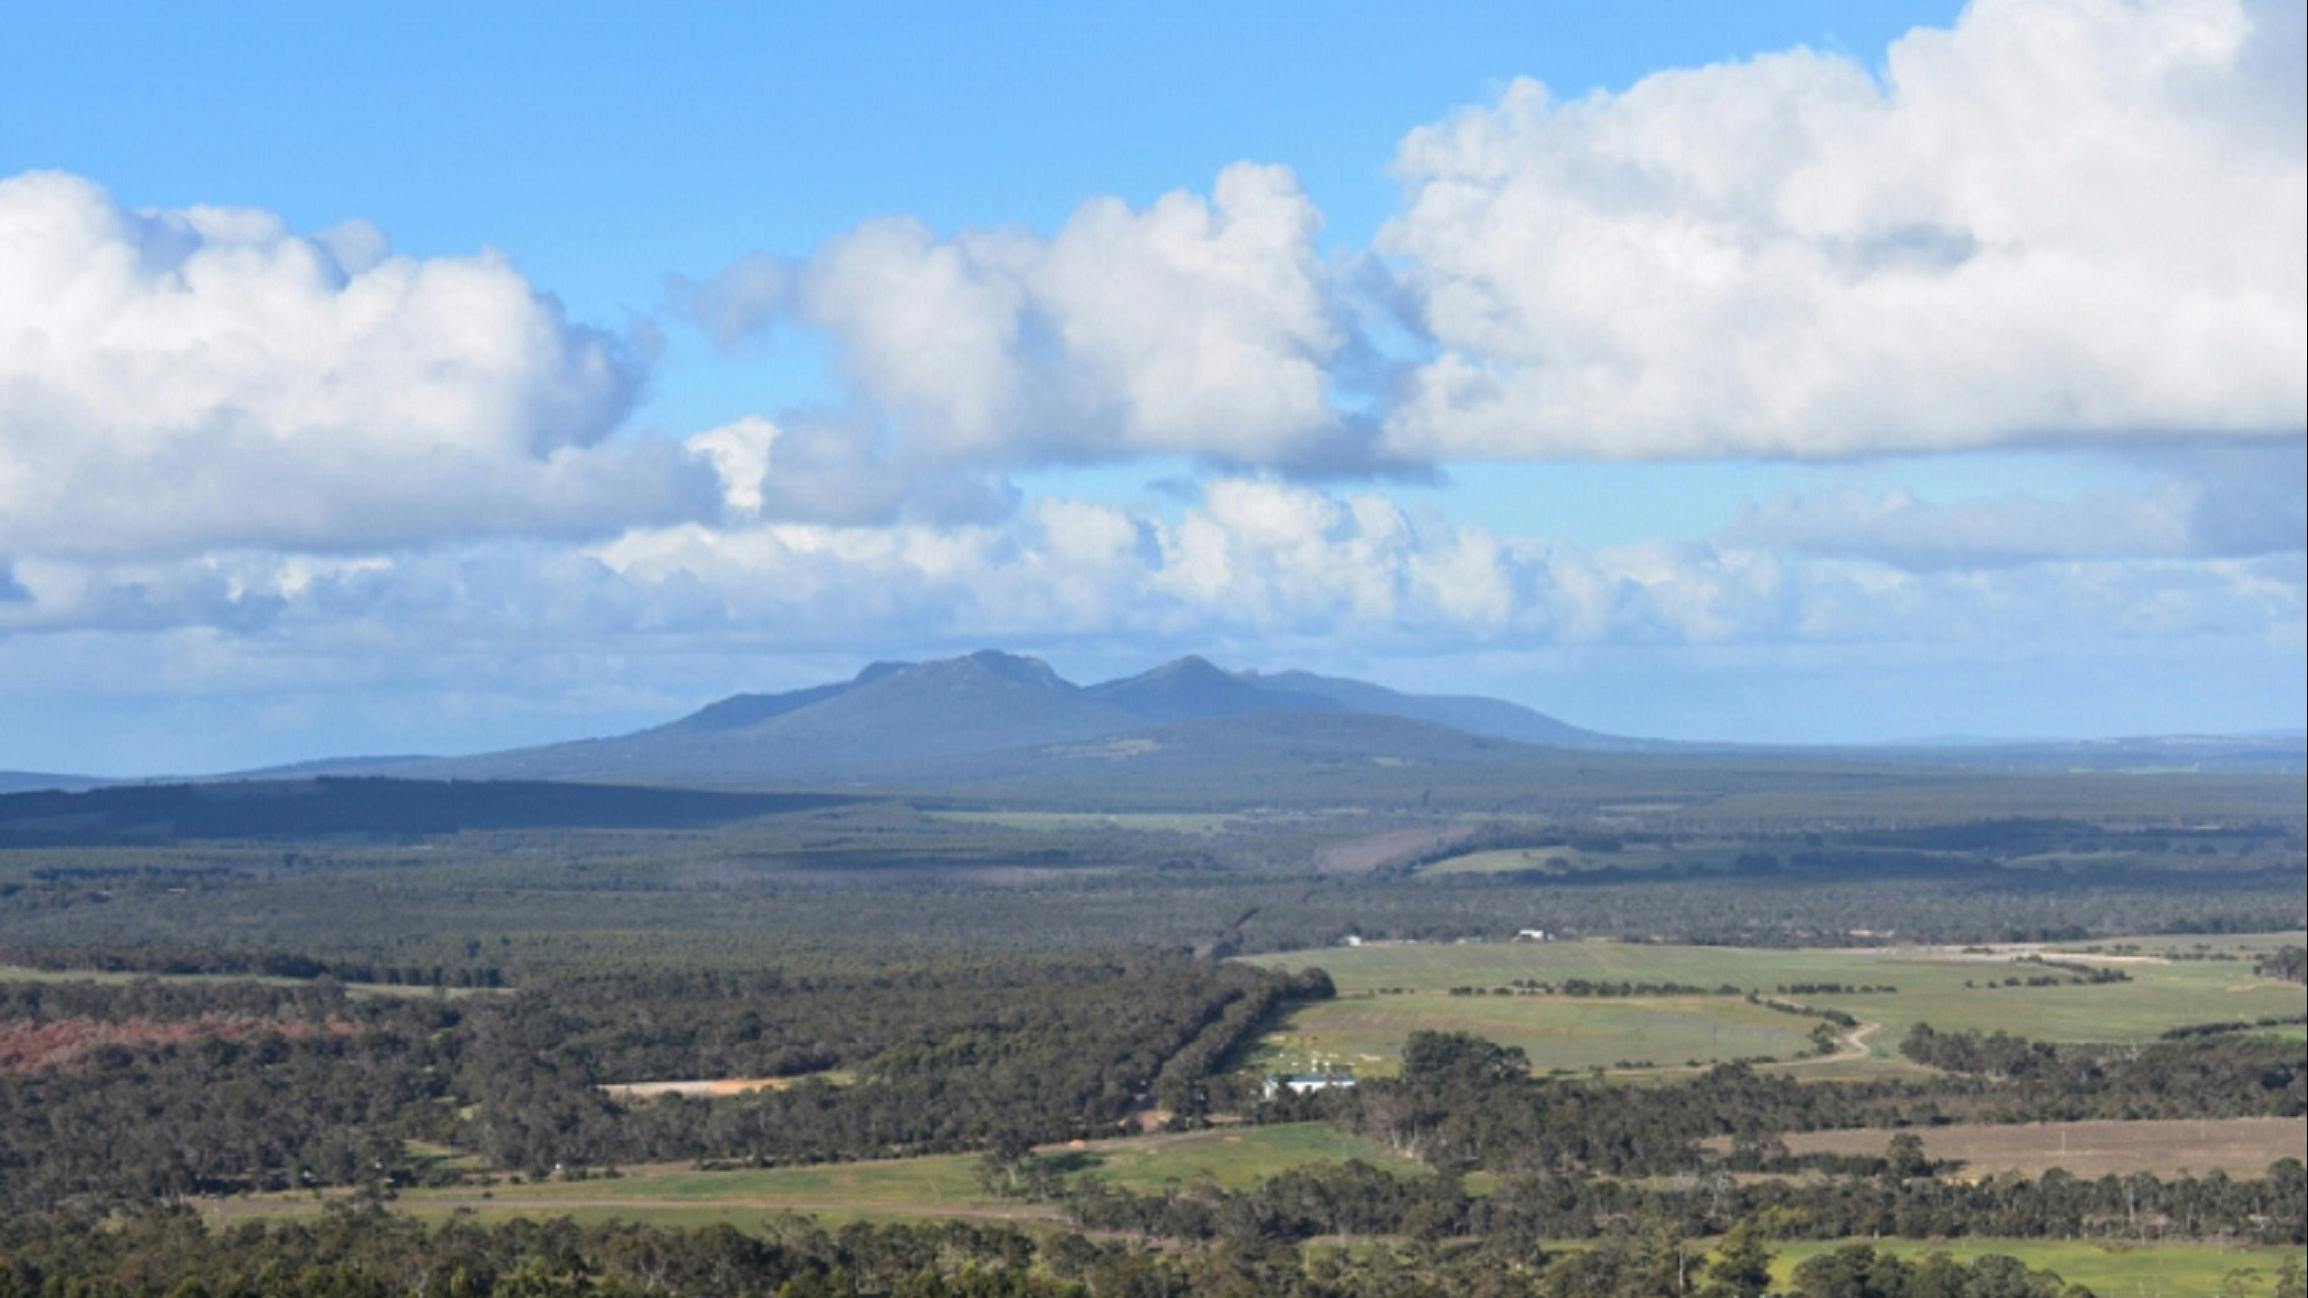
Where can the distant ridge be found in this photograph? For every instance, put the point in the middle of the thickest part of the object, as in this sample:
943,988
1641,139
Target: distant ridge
33,781
1472,713
958,722
946,719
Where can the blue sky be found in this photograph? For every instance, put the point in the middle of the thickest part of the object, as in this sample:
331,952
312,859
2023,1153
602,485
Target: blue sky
1799,371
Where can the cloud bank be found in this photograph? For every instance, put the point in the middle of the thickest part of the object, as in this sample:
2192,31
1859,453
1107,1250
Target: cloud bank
1252,560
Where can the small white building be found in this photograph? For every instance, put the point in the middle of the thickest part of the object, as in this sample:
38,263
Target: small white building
1304,1083
1532,935
1354,939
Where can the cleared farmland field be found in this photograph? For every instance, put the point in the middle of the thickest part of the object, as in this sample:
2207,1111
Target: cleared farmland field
1366,1032
941,1185
1951,990
2241,1147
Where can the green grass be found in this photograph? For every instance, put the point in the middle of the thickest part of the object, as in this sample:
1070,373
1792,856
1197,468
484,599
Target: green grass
1367,1032
1569,1032
902,1187
2167,1270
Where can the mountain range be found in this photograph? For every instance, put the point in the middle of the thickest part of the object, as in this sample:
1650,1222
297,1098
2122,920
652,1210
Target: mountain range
991,712
993,719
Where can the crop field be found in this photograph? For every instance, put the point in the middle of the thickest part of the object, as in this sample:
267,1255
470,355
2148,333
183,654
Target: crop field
2161,1270
1366,1032
2241,1147
1386,991
940,1185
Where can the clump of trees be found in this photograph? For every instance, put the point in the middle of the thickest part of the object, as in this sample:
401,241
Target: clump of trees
2289,963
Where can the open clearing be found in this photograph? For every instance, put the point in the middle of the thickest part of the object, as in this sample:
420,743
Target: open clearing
943,1185
1373,851
2161,1270
717,1087
1565,859
2241,1147
1387,990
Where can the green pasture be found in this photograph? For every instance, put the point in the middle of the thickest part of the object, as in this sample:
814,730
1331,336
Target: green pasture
934,1185
1366,1032
1387,991
2162,1270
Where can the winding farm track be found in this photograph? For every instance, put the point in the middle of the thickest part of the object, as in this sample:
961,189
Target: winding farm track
1852,1046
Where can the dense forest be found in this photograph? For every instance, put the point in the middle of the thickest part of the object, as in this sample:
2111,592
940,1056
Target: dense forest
143,1091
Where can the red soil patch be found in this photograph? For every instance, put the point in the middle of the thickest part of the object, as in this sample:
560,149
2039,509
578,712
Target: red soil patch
1377,851
30,1047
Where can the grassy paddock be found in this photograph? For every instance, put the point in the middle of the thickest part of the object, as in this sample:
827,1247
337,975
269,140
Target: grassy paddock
1366,1027
1367,1032
2241,1147
940,1185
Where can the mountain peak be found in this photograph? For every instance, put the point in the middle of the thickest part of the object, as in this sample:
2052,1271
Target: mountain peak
1193,686
1017,668
1192,666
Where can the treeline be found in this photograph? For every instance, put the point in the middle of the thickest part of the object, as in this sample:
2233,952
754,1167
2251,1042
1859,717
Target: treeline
331,805
2223,1075
373,1255
175,961
1356,1199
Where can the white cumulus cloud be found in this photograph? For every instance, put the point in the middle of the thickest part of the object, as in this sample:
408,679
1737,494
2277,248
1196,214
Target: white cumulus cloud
2058,220
178,380
1199,326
